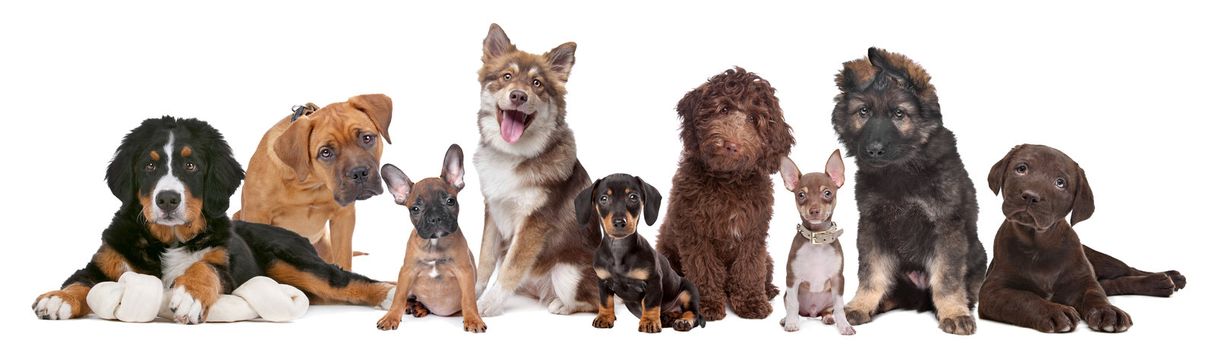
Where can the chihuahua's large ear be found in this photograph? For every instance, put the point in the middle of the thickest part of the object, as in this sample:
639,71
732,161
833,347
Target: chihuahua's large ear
835,169
496,43
995,177
1082,203
584,204
453,167
398,183
292,147
378,107
790,174
561,60
652,200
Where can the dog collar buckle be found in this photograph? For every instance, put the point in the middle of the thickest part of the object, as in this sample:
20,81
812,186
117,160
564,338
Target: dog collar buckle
298,111
827,236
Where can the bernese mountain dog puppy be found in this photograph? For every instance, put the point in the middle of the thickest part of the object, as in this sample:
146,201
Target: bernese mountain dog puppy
174,178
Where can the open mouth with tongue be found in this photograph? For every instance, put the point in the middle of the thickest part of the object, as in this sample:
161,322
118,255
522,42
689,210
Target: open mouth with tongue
512,123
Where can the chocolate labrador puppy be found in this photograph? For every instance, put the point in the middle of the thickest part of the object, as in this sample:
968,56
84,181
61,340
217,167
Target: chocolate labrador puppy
1041,277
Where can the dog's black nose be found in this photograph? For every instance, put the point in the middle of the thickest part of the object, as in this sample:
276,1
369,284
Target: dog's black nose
435,220
518,97
618,223
168,200
875,149
359,174
1030,197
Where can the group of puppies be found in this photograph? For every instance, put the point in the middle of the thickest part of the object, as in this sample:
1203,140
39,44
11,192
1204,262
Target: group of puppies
552,234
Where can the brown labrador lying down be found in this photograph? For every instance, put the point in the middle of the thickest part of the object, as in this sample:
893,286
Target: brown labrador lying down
1041,277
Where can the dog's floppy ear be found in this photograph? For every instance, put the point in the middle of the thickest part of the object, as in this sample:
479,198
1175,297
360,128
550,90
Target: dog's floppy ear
790,173
293,147
120,174
583,204
398,183
686,108
378,107
652,200
496,43
995,177
835,168
224,173
453,167
561,59
1082,203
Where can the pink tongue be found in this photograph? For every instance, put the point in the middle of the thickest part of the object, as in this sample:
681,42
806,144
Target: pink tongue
512,126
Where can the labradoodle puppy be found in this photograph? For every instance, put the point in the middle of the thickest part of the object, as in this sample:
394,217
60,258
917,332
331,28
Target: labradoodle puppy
716,230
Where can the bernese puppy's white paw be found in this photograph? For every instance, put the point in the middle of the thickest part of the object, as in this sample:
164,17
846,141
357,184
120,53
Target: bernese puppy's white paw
186,309
52,307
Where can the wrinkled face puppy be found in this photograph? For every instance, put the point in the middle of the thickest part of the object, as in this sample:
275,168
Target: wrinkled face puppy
1041,185
814,193
618,202
432,203
522,94
887,110
733,124
341,144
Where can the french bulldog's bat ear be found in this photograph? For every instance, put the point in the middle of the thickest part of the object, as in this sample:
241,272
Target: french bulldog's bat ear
292,147
496,43
790,174
561,60
453,167
652,199
584,204
835,169
1082,203
995,177
398,183
378,107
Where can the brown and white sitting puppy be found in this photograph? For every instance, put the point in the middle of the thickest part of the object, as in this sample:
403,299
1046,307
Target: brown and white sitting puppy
438,274
1041,277
814,276
716,231
310,168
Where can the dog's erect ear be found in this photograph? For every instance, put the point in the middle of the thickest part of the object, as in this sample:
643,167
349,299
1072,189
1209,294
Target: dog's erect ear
790,173
224,174
1082,203
453,167
496,43
378,107
294,149
887,72
835,169
584,204
995,177
652,200
561,59
398,183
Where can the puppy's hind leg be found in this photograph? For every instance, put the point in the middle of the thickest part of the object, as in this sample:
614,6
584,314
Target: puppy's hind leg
689,309
1118,278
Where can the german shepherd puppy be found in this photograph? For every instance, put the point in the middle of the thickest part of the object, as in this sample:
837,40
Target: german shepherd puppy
916,239
530,174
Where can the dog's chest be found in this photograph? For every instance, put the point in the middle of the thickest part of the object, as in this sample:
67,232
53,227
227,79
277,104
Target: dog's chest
175,261
815,264
510,196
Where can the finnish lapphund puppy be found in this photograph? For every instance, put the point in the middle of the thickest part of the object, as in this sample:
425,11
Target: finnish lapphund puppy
174,178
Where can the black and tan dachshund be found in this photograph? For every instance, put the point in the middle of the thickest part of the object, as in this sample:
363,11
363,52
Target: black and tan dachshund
627,265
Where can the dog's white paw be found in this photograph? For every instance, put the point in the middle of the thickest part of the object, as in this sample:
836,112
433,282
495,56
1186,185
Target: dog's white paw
387,302
52,308
791,325
557,307
186,309
491,303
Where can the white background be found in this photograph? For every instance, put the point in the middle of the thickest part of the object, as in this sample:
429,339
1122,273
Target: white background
1122,88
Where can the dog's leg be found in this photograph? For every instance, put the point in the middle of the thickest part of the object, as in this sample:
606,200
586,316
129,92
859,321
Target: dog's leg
748,280
946,272
651,309
341,232
570,285
1118,278
876,272
491,252
520,257
688,316
400,298
468,297
708,272
607,307
199,287
837,314
1018,307
792,308
1089,299
328,283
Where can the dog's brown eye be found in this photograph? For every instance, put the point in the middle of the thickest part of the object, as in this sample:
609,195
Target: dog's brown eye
368,139
603,199
801,195
826,194
898,114
633,197
751,118
506,76
723,109
1021,168
864,112
190,167
536,82
415,209
150,167
451,201
325,153
1060,183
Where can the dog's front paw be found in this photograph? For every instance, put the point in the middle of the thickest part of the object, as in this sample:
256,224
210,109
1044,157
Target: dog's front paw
790,324
1108,318
491,304
960,325
857,317
753,308
1178,279
713,309
604,321
1058,319
388,322
649,326
186,308
474,325
57,305
846,329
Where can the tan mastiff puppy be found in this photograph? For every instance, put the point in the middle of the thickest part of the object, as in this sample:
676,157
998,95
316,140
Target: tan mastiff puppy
311,167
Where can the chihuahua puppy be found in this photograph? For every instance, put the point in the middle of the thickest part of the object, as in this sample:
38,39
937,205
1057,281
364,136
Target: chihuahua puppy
626,264
814,275
438,275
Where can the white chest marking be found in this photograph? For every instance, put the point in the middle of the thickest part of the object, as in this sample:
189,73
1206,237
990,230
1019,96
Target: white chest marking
175,261
508,195
815,264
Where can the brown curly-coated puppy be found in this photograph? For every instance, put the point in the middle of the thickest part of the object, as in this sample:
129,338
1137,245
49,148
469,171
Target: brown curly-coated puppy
716,230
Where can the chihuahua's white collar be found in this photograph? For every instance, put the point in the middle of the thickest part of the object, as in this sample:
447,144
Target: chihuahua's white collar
821,237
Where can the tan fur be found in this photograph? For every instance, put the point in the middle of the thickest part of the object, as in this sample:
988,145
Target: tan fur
201,281
881,278
950,302
195,223
320,291
111,263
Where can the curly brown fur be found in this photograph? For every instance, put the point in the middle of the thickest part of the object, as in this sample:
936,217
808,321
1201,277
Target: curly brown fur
716,231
